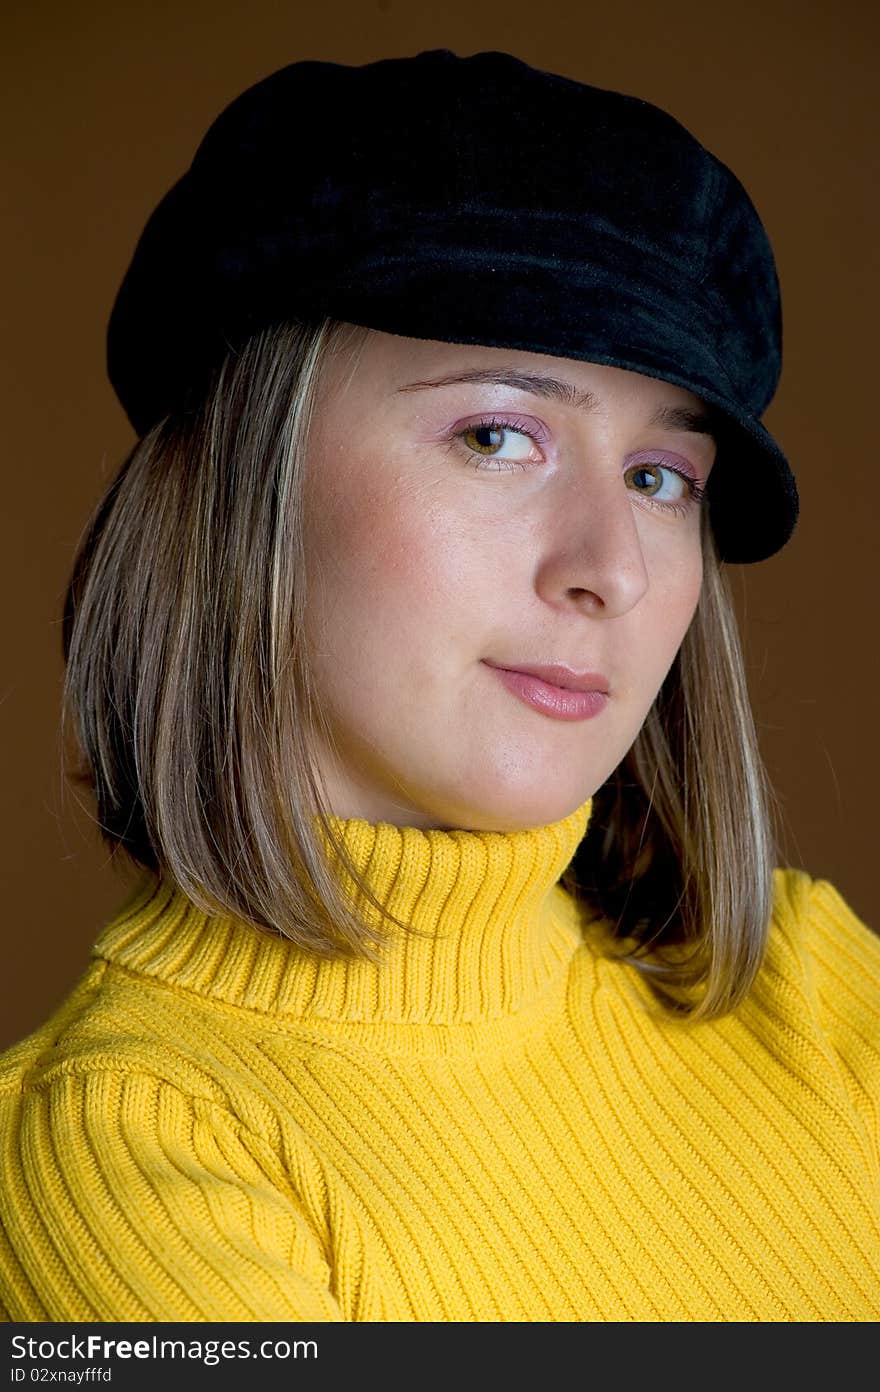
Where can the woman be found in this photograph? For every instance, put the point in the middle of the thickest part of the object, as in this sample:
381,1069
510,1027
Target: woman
460,983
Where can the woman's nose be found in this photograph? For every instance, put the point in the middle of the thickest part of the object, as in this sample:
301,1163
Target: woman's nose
593,555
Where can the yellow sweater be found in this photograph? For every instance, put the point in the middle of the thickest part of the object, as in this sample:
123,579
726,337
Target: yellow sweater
496,1124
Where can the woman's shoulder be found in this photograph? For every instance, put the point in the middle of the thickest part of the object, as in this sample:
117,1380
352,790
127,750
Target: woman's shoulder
819,982
109,1024
814,923
19,1060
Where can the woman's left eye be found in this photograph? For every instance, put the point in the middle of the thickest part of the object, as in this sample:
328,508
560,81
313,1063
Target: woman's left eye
676,491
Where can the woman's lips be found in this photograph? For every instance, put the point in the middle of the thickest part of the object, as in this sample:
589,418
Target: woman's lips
584,695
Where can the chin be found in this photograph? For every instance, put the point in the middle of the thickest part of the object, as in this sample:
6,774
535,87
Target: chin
513,809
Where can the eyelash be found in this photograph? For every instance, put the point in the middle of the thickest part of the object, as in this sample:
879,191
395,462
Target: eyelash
697,490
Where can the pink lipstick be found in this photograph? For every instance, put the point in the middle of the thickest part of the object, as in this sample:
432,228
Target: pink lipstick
555,690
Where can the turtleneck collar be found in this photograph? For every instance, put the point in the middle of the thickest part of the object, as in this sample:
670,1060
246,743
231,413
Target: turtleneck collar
496,931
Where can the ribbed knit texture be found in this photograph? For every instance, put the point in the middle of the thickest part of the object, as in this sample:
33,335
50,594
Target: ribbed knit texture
497,1123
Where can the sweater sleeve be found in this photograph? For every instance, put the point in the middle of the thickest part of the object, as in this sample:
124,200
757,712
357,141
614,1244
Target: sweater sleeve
126,1199
846,957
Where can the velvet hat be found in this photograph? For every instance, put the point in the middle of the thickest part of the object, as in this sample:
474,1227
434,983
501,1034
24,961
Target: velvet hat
473,200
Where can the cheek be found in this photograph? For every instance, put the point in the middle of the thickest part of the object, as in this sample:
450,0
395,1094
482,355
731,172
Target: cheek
675,606
391,553
666,610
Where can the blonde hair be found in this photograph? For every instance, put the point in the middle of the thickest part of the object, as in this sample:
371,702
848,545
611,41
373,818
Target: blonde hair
188,686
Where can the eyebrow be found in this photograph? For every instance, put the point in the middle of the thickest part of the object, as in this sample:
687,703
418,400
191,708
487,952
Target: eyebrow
703,422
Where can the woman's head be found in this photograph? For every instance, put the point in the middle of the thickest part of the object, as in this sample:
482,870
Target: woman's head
472,510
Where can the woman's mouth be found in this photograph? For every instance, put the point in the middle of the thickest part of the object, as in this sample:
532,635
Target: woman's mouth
583,694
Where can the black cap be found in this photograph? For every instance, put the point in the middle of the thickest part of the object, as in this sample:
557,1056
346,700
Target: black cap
472,200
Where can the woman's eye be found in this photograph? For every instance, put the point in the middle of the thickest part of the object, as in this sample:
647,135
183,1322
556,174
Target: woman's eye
649,479
500,440
665,486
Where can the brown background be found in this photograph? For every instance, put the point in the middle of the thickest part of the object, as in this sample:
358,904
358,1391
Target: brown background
102,106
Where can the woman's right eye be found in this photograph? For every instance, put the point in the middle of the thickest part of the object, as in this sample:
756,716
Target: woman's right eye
499,439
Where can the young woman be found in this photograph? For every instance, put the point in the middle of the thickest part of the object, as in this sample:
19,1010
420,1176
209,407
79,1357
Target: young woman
460,983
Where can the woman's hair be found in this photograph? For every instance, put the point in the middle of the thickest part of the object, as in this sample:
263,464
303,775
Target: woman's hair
188,683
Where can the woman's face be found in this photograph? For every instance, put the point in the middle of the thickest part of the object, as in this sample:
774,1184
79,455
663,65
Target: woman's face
473,510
